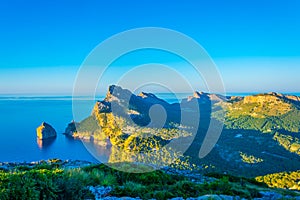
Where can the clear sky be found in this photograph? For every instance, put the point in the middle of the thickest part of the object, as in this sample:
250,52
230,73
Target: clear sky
254,43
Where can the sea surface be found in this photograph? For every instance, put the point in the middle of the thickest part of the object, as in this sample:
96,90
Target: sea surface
20,116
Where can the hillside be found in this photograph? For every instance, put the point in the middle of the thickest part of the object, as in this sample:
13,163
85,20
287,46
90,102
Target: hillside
263,112
122,120
57,179
130,126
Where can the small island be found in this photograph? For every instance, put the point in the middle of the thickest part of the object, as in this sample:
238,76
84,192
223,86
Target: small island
45,131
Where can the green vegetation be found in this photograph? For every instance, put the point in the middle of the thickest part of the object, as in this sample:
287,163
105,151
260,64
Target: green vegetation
53,181
40,182
250,158
286,180
259,106
289,142
162,157
288,122
260,135
264,112
225,157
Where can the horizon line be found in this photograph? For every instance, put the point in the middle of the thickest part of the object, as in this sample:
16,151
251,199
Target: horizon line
68,95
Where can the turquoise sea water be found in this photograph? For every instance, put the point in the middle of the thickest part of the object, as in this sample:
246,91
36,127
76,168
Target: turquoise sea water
20,116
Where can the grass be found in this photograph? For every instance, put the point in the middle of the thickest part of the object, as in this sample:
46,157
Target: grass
285,180
52,181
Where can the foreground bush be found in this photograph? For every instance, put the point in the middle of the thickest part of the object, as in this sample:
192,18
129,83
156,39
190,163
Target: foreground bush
54,181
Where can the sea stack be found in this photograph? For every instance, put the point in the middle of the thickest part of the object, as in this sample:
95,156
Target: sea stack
45,131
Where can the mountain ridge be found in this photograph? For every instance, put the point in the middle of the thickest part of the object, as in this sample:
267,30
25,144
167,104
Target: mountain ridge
269,121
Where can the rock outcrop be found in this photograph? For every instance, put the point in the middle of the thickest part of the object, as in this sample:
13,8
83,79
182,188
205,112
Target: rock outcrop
122,102
45,131
203,97
70,129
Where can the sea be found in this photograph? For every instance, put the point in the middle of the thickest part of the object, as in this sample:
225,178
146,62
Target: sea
21,115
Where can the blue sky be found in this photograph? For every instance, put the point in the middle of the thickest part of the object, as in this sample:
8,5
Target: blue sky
255,44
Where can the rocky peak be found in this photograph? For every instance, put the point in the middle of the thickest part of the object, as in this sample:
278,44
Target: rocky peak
217,97
121,102
275,94
117,93
199,94
206,97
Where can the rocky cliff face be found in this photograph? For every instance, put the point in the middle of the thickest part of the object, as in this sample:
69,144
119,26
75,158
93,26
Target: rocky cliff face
121,102
45,131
